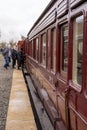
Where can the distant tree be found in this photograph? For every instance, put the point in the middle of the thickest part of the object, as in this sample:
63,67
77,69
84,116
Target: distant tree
3,44
12,43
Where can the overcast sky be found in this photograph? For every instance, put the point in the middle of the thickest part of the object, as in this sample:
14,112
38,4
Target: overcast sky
18,16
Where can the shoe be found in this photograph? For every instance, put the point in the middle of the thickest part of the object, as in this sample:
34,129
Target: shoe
5,67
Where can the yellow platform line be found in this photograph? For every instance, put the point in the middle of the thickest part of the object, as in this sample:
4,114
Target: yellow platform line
20,115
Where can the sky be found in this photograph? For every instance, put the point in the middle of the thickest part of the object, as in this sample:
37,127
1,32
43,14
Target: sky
18,16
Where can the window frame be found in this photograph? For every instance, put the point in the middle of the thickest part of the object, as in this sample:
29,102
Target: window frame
71,84
52,51
43,64
76,58
62,72
37,48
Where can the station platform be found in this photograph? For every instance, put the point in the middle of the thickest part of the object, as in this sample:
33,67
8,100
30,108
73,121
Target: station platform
20,115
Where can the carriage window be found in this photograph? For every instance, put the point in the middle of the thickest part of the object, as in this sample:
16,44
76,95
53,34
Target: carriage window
44,49
54,49
32,49
64,48
48,57
36,48
77,50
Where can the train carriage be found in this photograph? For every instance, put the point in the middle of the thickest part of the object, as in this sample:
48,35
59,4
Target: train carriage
56,51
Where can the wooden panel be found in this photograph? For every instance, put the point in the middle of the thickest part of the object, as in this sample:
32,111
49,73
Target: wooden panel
81,125
61,106
62,7
74,3
72,120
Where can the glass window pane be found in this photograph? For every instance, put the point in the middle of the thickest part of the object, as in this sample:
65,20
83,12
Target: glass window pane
36,48
77,50
44,49
64,48
49,56
54,50
32,48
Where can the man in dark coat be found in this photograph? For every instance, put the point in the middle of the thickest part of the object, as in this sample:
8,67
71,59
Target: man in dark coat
20,58
14,56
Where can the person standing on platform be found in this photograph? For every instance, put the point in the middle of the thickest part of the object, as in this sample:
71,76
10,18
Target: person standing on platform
20,58
14,56
5,54
10,53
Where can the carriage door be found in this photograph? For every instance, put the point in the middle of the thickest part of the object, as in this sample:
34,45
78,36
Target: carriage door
75,97
63,71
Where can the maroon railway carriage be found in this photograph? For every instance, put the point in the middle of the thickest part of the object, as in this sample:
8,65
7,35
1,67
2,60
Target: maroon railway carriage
56,50
20,44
